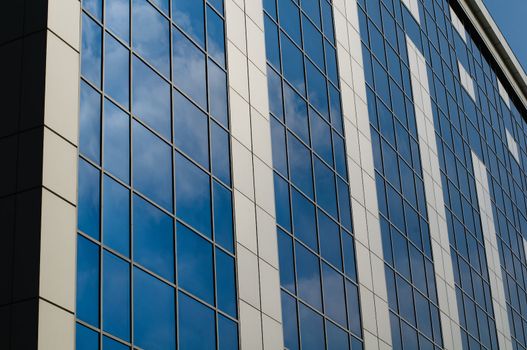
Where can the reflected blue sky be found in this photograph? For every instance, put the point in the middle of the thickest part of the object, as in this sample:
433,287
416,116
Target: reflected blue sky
510,16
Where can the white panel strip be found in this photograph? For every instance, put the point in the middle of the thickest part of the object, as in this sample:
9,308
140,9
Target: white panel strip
413,6
368,240
458,25
466,81
491,249
504,94
434,198
513,146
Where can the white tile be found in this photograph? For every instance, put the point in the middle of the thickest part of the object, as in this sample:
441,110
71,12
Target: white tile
235,25
267,239
237,69
248,277
256,46
261,136
264,185
245,221
272,334
64,21
242,169
240,119
250,328
270,290
56,327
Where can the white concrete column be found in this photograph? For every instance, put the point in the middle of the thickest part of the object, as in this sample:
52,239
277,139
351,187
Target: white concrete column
367,230
260,311
444,272
492,253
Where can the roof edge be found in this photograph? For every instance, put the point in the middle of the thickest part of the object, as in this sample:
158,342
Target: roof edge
497,45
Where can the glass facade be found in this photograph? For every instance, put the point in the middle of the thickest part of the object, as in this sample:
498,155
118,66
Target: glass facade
318,277
156,254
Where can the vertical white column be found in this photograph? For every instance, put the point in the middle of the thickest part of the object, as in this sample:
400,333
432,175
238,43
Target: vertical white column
56,320
492,253
254,207
370,264
434,199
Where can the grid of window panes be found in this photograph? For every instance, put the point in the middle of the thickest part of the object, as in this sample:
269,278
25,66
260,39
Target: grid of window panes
320,301
412,295
156,256
487,122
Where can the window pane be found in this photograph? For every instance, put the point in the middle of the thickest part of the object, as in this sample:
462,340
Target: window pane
285,254
189,15
337,338
329,233
290,19
197,329
283,212
88,210
221,163
188,67
153,238
290,322
293,63
308,276
313,44
278,147
354,319
344,204
226,283
116,225
218,93
194,264
87,281
336,111
150,35
117,17
296,113
312,8
90,123
91,50
116,296
321,137
300,165
325,186
227,333
154,315
223,222
116,141
191,132
275,93
311,329
334,299
110,344
116,70
193,195
86,339
271,42
152,153
215,37
304,220
349,256
151,98
316,85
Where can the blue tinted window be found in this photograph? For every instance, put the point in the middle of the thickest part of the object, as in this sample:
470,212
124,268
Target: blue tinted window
300,165
283,212
91,50
340,155
154,313
311,329
89,199
189,15
327,20
116,296
90,122
271,43
354,319
152,153
331,63
279,150
195,273
290,322
188,67
223,223
296,113
153,239
275,93
337,338
221,166
117,17
151,98
116,70
349,256
150,35
312,8
191,129
215,37
86,339
87,281
293,63
290,19
316,86
116,141
321,137
325,186
227,334
226,283
308,276
344,204
162,4
218,93
193,195
110,344
285,254
116,215
335,108
197,329
304,226
334,299
329,233
313,44
218,5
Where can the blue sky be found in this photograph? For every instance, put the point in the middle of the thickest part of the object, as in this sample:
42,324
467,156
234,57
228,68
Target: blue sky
511,17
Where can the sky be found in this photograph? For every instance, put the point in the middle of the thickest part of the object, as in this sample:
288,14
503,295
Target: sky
511,17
